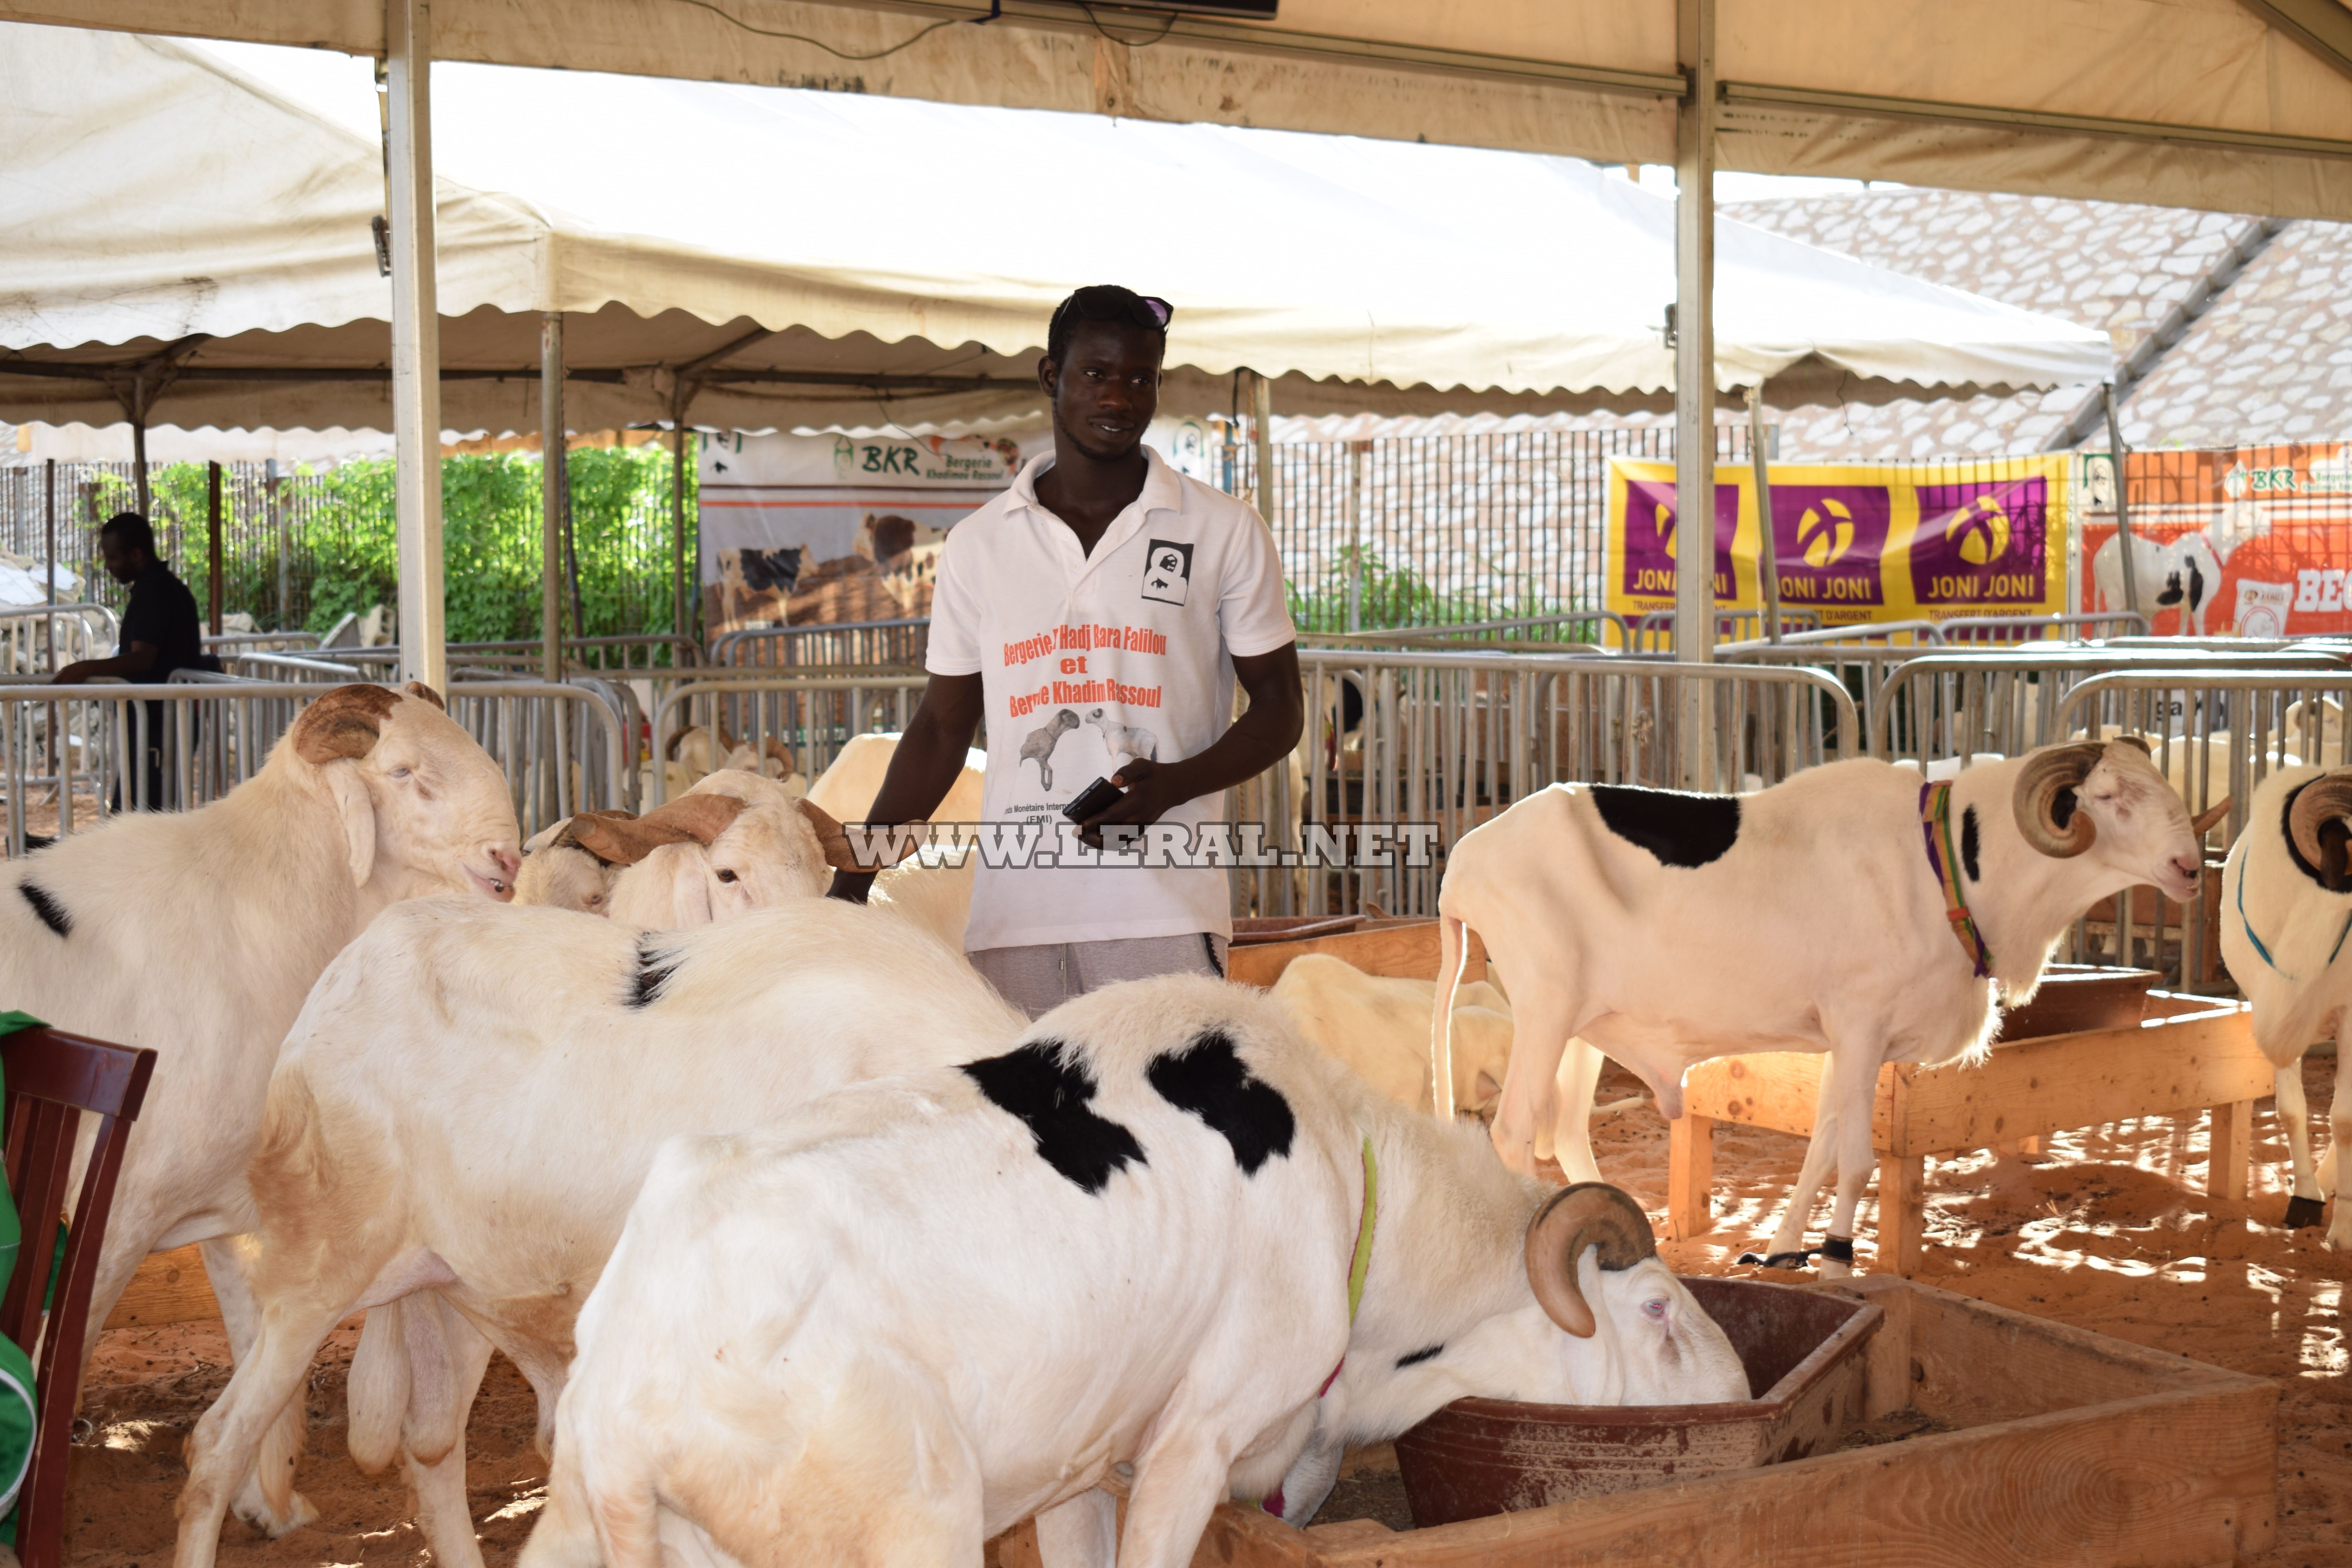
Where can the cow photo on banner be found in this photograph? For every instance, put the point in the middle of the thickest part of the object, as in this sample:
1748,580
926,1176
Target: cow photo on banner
1856,542
2250,541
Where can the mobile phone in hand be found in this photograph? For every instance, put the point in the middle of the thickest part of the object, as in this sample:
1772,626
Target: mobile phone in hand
1097,796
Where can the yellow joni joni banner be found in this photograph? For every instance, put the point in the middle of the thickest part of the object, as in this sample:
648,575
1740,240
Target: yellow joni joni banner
1857,541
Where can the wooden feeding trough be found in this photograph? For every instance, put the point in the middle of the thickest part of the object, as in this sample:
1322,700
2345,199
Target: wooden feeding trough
2039,1447
1401,949
1802,1349
2111,1053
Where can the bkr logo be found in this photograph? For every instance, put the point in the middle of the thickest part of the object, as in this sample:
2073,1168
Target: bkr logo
1980,529
1167,570
1667,528
1825,533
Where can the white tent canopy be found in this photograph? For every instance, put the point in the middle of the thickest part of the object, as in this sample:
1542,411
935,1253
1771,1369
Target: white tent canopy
868,259
2230,105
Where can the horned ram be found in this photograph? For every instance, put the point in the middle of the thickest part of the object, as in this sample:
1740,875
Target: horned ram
884,1328
1853,910
2286,904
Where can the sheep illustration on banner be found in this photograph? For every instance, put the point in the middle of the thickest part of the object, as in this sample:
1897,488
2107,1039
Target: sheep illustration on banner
1856,542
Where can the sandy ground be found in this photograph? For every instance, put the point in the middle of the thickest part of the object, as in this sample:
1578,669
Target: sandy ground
2109,1231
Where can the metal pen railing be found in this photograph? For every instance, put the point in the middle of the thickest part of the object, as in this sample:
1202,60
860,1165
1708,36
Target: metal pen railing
839,646
1953,704
72,756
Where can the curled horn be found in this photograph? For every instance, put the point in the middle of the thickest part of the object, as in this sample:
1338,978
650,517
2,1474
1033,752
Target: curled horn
569,835
424,693
2205,821
781,753
1589,1213
2323,800
344,723
834,839
2048,774
619,839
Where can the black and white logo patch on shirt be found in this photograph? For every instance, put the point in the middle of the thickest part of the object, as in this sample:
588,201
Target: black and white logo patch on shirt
1167,570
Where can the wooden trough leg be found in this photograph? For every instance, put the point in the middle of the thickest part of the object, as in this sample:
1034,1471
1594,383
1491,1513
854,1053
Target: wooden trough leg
1902,1212
2229,1147
1690,1176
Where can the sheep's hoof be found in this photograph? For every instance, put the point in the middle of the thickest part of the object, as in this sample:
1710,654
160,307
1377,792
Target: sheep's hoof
255,1511
1830,1269
2304,1214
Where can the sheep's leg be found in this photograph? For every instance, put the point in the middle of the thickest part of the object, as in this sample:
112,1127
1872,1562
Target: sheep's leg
266,1500
1540,1022
2340,1129
1179,1482
1080,1532
1854,1072
1821,1156
565,1534
221,1449
1570,1135
2304,1208
444,1512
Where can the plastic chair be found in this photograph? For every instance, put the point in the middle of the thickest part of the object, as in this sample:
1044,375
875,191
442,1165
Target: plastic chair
53,1078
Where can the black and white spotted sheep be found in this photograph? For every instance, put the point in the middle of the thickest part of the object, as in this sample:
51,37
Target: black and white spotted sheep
1157,1228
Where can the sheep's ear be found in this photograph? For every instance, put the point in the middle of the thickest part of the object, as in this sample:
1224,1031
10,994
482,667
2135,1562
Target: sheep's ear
357,809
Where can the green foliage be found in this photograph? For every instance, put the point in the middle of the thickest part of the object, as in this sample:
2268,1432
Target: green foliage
345,549
1397,597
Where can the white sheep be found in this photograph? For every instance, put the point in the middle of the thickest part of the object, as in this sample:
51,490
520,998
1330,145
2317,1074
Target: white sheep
469,1101
558,872
1131,1237
2286,904
847,788
1379,1025
199,933
1663,929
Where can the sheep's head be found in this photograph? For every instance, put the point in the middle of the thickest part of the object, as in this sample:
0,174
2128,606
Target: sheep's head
1593,1266
733,843
423,807
2107,799
560,872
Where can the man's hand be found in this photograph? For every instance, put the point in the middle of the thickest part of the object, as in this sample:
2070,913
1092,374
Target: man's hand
1153,790
74,674
851,886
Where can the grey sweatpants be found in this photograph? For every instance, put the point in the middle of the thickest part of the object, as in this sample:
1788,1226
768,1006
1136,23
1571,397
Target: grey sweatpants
1039,979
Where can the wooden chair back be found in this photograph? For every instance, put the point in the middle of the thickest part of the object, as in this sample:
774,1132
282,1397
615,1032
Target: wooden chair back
54,1080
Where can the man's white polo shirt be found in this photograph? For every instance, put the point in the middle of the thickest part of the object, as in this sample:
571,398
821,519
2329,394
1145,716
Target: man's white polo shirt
1087,660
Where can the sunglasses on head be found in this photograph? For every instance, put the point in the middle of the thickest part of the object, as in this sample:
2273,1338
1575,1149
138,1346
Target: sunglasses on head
1161,310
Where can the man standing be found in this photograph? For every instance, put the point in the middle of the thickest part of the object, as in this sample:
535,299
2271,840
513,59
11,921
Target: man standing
1098,614
161,630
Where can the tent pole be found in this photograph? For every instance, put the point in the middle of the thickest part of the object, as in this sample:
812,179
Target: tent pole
1769,547
2123,511
50,506
1694,379
1262,429
550,493
138,445
416,343
212,536
680,623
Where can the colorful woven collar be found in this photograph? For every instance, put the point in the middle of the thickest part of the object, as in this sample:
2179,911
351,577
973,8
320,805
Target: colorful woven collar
1936,824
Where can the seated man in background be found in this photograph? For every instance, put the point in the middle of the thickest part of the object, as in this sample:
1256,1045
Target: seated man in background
161,633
